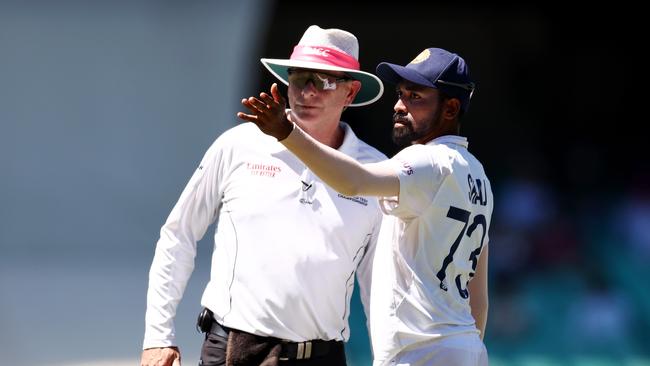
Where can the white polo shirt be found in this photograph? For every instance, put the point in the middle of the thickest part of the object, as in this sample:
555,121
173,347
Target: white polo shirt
286,245
428,246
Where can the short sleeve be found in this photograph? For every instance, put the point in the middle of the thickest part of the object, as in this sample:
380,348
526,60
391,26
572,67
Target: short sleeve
420,177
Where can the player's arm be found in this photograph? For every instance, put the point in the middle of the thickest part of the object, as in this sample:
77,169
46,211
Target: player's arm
478,291
338,170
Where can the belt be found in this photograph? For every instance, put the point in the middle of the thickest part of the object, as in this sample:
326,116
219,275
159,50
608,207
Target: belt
309,349
292,350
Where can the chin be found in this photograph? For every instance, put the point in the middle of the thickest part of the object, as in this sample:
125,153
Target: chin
306,113
399,132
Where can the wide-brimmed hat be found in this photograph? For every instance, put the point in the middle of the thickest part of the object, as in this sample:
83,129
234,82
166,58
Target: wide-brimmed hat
333,50
435,68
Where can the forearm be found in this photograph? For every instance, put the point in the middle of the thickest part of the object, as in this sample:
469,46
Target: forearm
478,292
169,274
339,171
168,278
479,307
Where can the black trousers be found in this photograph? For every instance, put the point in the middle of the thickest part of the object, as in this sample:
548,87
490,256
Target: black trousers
213,353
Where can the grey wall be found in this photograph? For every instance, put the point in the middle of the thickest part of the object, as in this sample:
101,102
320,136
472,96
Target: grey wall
105,109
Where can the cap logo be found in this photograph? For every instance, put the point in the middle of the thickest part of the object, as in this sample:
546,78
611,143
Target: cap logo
421,57
316,51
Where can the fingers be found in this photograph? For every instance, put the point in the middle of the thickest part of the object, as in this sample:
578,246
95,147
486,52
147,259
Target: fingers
275,92
275,99
177,361
160,356
266,109
246,104
255,106
258,104
277,96
247,117
177,358
268,100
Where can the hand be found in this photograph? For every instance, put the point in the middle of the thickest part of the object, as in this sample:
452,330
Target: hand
164,356
268,113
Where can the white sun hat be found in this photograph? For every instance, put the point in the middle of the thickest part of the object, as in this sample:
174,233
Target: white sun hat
333,50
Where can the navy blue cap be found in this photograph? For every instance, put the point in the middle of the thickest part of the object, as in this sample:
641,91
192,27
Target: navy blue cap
434,68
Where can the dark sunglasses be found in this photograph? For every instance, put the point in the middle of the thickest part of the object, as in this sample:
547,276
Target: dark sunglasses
322,81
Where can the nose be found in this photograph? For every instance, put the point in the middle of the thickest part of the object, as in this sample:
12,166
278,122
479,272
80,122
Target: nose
399,106
309,88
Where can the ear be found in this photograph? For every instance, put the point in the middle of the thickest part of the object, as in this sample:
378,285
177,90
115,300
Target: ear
355,86
451,108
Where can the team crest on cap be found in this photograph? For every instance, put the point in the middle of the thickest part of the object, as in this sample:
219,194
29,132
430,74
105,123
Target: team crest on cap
421,57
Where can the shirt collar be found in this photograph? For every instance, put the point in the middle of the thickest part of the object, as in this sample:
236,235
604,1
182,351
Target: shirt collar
350,145
449,139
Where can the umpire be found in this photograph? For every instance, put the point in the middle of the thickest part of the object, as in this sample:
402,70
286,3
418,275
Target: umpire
275,296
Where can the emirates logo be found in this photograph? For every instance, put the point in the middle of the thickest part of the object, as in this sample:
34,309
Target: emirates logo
263,170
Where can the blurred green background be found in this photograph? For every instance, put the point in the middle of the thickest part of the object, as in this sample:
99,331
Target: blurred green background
107,107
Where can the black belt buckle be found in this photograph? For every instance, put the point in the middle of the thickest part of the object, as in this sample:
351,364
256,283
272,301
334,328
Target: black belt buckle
297,350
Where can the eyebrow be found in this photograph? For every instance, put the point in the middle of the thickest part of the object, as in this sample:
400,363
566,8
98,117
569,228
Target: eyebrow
411,87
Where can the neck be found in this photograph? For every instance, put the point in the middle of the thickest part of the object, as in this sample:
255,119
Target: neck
444,129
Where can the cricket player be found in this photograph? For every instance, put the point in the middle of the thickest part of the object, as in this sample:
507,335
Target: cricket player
429,297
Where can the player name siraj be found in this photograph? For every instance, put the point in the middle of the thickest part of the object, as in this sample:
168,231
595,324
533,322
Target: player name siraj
477,190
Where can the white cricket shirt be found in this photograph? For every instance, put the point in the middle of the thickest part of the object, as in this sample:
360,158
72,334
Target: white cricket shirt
428,246
286,246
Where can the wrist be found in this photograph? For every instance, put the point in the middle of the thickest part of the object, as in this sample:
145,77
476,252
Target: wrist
290,126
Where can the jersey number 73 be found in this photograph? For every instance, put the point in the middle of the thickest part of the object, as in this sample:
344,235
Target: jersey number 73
463,216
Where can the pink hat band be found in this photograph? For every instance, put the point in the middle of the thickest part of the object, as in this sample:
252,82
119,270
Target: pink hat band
324,55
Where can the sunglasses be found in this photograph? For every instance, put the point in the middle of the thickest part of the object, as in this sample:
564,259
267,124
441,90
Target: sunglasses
321,81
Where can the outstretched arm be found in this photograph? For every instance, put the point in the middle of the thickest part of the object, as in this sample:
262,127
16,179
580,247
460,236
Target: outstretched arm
338,170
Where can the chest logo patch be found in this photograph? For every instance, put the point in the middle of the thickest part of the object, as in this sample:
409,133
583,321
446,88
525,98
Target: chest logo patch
263,170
